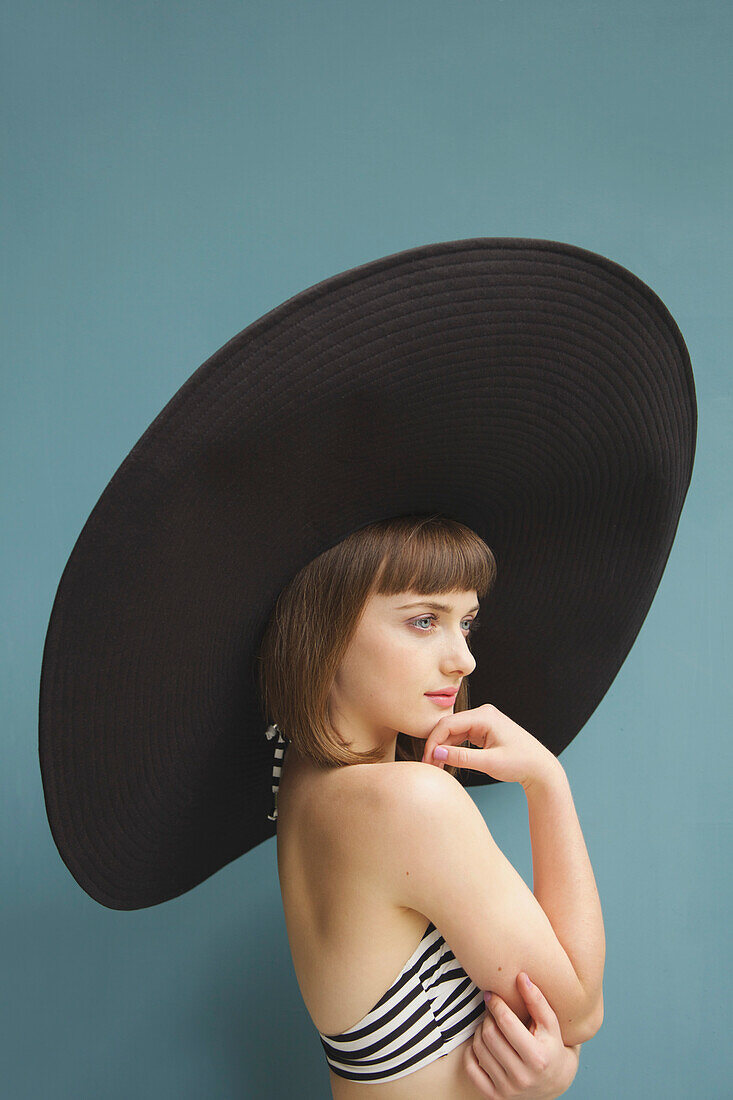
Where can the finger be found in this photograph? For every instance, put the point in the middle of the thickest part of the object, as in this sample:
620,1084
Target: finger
466,725
482,1082
454,756
445,734
488,1060
514,1047
539,1007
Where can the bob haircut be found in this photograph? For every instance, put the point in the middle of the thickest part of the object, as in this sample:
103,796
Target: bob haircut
317,613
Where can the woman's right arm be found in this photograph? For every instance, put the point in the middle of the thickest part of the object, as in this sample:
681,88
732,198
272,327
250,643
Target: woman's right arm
448,867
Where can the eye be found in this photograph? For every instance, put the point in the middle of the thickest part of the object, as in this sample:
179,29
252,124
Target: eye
473,624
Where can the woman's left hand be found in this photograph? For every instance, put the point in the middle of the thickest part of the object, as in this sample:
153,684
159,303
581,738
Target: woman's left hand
508,1059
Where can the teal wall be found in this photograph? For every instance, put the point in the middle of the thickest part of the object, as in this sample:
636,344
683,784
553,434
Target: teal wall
171,171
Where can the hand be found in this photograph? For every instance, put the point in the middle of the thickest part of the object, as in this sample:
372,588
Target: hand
506,752
508,1059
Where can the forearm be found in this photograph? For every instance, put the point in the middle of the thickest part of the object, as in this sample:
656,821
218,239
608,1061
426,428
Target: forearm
563,881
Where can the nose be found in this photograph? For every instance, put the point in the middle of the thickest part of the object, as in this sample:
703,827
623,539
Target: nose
458,658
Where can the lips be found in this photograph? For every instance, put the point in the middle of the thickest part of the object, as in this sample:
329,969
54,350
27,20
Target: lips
443,699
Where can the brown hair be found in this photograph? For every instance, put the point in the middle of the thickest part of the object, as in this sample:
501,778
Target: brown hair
317,612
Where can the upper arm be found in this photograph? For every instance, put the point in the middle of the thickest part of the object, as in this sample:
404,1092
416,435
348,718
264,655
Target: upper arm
444,863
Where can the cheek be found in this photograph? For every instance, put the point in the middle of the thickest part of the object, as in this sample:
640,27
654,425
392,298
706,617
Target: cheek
373,662
390,663
404,658
384,663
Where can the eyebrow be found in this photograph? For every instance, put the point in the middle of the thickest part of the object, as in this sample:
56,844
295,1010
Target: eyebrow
431,603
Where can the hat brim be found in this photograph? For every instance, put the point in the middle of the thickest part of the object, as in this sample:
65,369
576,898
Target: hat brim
535,391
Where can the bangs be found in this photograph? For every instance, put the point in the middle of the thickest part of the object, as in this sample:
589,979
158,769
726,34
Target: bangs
432,555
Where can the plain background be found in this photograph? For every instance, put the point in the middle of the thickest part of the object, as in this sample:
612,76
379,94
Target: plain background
171,172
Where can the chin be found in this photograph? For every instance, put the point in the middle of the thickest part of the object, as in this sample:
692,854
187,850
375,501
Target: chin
418,734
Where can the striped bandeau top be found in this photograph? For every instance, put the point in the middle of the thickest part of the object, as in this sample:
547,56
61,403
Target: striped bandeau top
430,1008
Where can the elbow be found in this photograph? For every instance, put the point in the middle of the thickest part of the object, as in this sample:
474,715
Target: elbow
581,1030
597,1016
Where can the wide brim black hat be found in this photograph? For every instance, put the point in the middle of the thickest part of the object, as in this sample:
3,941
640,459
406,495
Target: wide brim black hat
535,391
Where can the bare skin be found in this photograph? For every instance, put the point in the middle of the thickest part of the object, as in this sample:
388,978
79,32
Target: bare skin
348,937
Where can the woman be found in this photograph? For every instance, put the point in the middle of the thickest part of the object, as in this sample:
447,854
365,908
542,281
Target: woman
370,869
539,395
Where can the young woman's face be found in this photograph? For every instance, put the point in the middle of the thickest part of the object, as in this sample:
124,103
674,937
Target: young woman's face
405,646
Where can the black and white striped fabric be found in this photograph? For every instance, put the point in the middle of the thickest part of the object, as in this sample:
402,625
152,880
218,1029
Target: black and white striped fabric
270,732
431,1007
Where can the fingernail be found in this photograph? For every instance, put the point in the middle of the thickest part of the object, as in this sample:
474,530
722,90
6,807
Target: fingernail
487,996
527,982
440,752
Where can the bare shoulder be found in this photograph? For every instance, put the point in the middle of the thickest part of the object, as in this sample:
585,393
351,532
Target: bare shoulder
398,810
403,780
360,810
414,788
414,803
383,795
